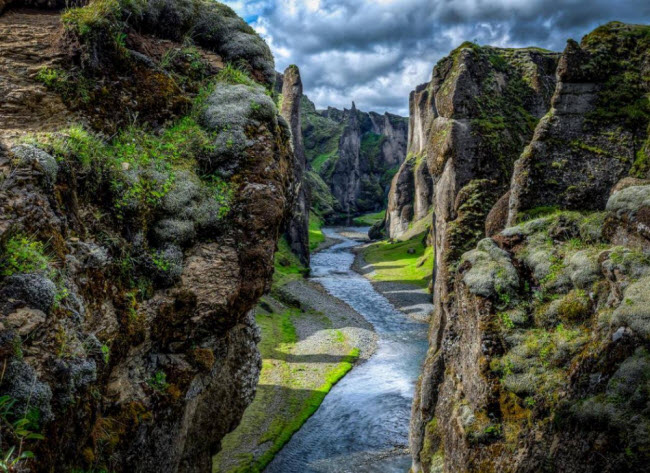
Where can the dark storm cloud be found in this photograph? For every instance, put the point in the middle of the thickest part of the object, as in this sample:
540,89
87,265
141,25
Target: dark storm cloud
376,51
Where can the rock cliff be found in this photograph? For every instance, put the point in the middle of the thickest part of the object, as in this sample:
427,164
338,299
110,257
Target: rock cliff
538,356
353,156
137,232
297,232
480,108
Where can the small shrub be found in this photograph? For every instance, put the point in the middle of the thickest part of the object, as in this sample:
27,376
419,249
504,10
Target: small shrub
22,255
158,382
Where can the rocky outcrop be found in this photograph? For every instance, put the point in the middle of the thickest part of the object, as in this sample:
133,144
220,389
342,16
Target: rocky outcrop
129,265
589,140
486,134
355,154
297,232
538,343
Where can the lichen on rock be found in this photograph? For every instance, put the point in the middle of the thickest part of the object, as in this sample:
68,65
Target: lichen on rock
491,272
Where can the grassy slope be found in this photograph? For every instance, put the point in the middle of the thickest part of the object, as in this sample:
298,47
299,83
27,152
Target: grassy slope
369,220
393,262
316,236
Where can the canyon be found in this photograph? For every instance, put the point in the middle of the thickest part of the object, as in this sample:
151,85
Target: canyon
353,156
163,192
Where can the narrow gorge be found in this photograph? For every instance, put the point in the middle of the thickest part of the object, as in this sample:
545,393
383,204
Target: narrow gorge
203,269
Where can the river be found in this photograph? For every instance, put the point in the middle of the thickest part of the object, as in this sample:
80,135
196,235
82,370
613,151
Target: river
362,425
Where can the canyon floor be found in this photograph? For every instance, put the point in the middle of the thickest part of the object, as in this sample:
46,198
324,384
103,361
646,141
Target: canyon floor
400,271
311,340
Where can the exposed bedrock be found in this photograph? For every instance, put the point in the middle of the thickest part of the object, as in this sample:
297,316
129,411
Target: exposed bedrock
353,155
297,232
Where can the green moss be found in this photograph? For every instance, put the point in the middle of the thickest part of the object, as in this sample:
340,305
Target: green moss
580,145
503,121
574,307
618,56
634,312
158,382
320,160
641,166
21,254
321,136
371,144
287,264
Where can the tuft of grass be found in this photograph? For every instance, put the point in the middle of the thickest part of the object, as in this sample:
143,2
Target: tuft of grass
91,17
233,75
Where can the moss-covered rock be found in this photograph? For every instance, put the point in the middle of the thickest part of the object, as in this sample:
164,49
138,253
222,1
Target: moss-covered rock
491,272
634,310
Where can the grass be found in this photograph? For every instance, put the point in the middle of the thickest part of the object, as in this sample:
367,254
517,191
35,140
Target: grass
368,220
294,398
137,149
232,75
97,14
393,262
287,265
316,236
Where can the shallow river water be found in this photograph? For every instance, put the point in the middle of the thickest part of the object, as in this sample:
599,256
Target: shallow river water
362,425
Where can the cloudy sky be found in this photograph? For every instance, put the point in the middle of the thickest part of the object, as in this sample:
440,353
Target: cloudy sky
376,51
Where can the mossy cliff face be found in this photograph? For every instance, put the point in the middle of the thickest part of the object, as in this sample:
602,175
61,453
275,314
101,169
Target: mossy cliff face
130,262
470,124
596,131
473,119
353,156
538,355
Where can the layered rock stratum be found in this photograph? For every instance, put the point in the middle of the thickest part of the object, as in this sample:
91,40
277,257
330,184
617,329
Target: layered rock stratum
146,175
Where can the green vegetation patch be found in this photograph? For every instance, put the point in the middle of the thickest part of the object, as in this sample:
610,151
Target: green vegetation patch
287,264
286,397
316,236
408,261
368,220
21,254
138,167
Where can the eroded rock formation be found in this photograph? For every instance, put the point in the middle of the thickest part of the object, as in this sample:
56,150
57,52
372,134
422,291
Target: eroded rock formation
297,232
353,155
130,261
538,356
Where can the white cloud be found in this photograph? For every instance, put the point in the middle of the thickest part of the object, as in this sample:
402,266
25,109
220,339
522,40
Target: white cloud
376,51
